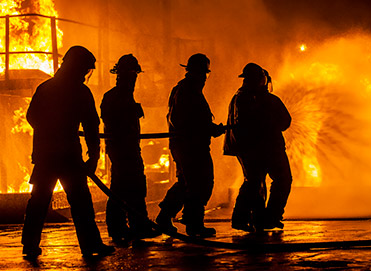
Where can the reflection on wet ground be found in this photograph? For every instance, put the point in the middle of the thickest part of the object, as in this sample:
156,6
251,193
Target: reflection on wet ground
61,251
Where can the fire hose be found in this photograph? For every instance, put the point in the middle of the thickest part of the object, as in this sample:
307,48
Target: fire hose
141,136
248,247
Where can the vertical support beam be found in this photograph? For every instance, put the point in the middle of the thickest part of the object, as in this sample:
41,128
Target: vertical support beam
7,26
54,43
103,59
104,45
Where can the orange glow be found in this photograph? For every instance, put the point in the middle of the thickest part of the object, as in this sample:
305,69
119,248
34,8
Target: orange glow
19,118
29,34
22,126
328,97
162,164
101,168
58,187
164,160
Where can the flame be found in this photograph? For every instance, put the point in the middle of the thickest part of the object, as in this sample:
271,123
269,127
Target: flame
29,33
58,186
26,187
10,189
162,164
19,118
303,47
164,160
22,126
329,99
101,168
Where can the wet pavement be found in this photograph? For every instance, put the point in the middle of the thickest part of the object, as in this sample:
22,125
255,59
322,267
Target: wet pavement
61,251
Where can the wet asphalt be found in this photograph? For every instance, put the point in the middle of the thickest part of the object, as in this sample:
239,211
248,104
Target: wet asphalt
302,245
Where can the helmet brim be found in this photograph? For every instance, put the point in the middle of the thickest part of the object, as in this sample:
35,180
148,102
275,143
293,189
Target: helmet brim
185,66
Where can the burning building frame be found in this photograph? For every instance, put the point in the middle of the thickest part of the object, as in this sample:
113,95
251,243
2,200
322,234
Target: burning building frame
17,85
21,71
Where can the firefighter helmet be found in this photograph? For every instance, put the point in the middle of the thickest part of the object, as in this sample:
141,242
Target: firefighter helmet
198,63
252,70
126,63
79,56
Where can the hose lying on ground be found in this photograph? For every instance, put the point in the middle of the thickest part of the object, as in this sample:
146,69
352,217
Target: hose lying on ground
248,247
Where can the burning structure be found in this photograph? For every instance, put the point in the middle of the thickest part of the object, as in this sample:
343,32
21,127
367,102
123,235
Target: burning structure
28,56
31,56
318,55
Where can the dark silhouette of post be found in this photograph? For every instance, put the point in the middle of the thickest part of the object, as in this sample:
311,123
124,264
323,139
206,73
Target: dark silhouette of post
54,43
7,41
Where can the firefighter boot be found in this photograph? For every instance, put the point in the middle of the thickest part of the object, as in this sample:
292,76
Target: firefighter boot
31,252
200,231
164,220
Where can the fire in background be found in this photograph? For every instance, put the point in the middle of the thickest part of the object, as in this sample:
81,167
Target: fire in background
327,89
29,33
26,33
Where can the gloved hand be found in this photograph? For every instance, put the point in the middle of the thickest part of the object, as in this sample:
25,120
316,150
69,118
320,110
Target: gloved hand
91,164
218,130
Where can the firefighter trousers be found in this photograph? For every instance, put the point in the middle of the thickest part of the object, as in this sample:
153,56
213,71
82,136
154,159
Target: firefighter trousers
129,183
250,202
194,186
75,185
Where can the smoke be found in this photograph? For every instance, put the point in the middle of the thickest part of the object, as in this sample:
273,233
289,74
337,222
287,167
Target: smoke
327,91
326,88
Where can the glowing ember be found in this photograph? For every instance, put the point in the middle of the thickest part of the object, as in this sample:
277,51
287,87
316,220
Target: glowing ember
303,47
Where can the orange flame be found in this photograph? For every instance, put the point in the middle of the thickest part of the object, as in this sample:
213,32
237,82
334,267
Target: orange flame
29,33
328,97
19,118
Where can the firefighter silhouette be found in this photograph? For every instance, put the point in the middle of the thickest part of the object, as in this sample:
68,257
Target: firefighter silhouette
57,108
120,114
191,120
257,118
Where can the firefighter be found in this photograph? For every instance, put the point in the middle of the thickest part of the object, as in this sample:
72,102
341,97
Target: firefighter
258,118
121,114
57,108
191,120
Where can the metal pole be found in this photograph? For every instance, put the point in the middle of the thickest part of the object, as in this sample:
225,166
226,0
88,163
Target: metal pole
7,47
54,43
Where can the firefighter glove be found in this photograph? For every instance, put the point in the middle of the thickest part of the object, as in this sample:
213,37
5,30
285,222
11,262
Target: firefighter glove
217,130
